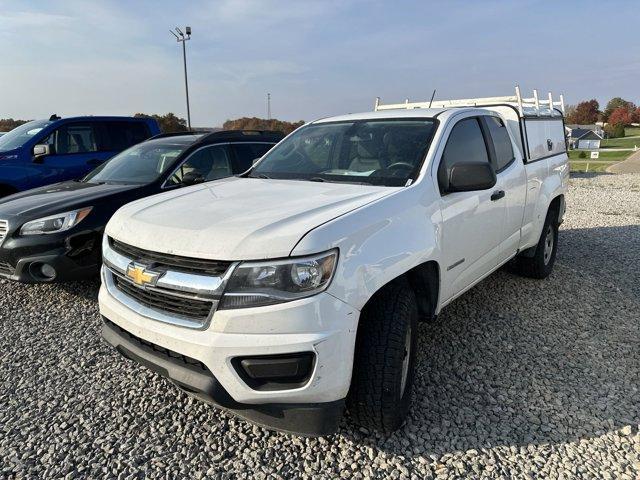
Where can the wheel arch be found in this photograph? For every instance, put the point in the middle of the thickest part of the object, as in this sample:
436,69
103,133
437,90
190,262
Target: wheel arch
424,282
557,204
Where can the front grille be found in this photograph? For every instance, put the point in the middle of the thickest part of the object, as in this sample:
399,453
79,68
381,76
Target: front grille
214,268
5,269
164,301
4,229
165,352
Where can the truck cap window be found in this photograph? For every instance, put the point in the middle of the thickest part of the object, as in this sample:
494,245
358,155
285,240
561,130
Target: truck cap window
21,135
140,164
377,152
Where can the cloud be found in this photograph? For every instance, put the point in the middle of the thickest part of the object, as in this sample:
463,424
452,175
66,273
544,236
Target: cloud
272,11
12,22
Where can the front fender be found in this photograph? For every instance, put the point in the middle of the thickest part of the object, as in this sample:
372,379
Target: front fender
378,242
16,175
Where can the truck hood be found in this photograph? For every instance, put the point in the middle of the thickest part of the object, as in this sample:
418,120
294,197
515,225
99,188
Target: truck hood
237,218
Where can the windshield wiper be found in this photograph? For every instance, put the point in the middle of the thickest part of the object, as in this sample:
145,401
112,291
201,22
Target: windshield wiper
261,175
318,179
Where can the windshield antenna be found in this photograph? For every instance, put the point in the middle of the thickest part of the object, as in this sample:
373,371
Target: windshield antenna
432,95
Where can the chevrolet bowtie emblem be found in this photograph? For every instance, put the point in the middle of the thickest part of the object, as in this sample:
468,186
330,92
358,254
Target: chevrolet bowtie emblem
139,275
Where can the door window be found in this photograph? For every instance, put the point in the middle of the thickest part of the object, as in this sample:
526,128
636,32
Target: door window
210,163
465,144
501,142
74,138
246,153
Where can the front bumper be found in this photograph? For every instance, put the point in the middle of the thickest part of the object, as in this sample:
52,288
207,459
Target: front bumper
321,324
73,257
194,378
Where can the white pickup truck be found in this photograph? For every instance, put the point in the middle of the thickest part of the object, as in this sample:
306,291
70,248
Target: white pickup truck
295,290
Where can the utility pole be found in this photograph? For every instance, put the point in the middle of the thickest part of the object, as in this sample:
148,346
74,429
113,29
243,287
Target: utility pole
183,37
268,106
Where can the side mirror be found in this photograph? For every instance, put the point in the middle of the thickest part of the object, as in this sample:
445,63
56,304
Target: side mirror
466,177
41,151
192,178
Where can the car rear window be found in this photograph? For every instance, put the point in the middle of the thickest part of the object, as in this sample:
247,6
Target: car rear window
246,153
121,135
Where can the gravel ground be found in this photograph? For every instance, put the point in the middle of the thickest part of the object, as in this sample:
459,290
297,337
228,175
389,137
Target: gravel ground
519,378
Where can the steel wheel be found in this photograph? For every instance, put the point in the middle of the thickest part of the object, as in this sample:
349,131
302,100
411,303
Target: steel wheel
549,240
405,361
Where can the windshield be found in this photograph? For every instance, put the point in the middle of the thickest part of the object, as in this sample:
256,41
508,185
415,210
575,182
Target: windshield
142,163
21,135
379,152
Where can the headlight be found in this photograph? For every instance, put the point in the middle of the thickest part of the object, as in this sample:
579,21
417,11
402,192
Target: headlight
55,223
255,284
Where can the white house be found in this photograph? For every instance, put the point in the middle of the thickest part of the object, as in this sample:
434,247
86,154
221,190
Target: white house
584,138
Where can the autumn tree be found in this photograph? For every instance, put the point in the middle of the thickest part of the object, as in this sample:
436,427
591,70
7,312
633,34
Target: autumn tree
255,123
616,103
168,123
621,116
8,124
585,113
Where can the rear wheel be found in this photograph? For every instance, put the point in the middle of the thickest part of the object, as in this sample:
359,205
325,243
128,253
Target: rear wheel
540,264
383,370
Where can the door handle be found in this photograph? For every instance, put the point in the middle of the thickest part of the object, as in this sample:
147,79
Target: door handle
497,195
94,162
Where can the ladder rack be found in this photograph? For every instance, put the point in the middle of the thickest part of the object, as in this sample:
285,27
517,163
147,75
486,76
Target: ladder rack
533,106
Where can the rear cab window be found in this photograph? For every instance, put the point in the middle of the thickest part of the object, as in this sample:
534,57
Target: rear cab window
501,142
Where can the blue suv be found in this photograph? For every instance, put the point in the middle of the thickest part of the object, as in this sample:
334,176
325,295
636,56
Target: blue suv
42,152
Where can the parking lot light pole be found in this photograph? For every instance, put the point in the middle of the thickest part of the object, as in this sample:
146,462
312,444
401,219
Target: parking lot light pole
183,37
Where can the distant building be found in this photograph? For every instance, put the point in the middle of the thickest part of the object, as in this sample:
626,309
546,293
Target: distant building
586,137
597,127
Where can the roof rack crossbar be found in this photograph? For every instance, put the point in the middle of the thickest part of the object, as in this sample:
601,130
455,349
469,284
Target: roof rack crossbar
526,106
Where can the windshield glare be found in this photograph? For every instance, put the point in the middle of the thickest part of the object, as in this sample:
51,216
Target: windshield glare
21,135
140,164
379,152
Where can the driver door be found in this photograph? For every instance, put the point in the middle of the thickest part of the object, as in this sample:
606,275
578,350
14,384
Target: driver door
471,220
75,152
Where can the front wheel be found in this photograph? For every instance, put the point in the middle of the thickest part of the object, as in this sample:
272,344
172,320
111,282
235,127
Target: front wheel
540,264
385,353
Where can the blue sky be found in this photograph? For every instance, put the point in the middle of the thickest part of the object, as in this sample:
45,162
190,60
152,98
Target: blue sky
316,58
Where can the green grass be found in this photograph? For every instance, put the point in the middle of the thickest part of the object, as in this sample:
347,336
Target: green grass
620,142
593,167
615,156
624,142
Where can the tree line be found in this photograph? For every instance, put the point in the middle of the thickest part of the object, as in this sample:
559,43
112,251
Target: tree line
172,123
255,123
617,114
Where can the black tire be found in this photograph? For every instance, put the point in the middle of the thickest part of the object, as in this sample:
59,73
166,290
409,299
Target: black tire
379,398
540,264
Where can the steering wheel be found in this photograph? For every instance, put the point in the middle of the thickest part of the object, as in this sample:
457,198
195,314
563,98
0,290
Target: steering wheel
400,166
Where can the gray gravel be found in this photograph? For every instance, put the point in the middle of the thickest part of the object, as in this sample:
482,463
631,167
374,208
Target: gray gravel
519,378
